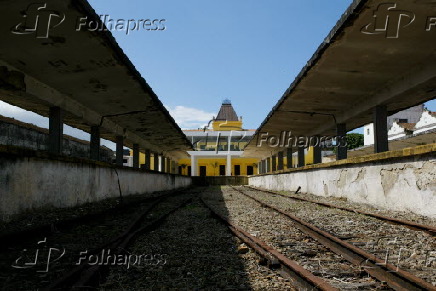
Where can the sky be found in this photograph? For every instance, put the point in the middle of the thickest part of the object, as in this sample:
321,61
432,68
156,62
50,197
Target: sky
246,51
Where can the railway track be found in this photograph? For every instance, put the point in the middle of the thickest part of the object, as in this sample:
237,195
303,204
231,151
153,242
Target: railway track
302,279
90,276
47,228
108,231
410,224
204,255
395,277
308,257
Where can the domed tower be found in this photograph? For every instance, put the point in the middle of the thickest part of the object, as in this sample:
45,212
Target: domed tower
227,119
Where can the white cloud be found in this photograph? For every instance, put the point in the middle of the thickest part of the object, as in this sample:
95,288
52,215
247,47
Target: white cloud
41,121
190,118
186,118
22,115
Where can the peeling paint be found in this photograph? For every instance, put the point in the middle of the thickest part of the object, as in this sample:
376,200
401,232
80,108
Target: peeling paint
401,184
427,177
342,179
389,179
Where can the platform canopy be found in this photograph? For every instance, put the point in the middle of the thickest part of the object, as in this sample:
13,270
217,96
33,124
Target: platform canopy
379,53
84,72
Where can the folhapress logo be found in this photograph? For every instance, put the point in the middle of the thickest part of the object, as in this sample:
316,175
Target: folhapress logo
389,21
39,20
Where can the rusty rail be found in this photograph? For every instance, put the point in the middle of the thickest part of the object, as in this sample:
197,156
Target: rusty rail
89,277
302,278
410,224
395,277
16,237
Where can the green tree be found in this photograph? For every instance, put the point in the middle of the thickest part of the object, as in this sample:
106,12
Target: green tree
354,140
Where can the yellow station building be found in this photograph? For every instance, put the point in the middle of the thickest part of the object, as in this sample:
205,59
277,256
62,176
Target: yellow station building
218,150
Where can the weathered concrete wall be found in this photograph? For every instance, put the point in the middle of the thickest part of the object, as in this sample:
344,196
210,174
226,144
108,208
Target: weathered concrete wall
397,182
17,133
31,180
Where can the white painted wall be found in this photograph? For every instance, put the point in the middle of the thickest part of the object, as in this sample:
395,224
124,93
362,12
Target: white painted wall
406,185
426,122
368,134
28,183
396,131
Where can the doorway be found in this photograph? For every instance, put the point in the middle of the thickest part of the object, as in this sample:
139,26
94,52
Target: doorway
222,170
237,170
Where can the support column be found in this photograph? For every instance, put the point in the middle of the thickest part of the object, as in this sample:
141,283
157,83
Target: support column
229,165
56,130
120,150
341,132
162,164
274,163
194,166
94,150
136,156
301,162
259,168
317,153
156,162
173,167
168,166
380,117
289,158
147,160
280,161
268,165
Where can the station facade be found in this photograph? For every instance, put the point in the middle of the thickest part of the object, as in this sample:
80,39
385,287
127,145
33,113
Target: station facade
217,151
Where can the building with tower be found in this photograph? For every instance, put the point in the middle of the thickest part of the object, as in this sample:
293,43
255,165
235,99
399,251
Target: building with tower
219,146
